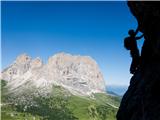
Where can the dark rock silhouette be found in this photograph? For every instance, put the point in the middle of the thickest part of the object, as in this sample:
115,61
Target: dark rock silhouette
142,99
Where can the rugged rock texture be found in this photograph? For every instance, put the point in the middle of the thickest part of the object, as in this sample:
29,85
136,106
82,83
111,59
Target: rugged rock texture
142,99
78,74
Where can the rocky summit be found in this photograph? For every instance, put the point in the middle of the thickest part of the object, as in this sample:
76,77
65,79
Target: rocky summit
80,75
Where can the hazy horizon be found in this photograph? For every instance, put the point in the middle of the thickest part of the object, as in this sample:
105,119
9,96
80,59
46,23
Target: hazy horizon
95,29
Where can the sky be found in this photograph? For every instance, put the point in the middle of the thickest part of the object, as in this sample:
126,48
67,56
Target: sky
96,29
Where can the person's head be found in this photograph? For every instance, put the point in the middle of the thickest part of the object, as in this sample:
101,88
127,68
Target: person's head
131,32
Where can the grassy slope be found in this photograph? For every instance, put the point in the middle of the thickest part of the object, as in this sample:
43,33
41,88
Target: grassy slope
62,107
9,113
94,109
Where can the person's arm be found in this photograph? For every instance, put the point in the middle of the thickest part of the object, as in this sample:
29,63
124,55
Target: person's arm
137,38
136,31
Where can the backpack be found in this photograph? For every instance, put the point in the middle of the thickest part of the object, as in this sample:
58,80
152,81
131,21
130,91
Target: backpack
127,43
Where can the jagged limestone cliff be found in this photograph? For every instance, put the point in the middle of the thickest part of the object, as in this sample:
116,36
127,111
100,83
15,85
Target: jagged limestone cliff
78,74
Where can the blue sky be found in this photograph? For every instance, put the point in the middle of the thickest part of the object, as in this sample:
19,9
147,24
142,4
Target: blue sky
95,29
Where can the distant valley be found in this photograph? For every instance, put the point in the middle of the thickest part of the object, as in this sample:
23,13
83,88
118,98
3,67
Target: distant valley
117,89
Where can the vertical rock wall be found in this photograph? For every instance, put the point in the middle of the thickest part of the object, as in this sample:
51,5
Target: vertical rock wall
142,99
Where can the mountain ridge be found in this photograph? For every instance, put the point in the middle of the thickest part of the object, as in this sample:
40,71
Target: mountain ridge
78,74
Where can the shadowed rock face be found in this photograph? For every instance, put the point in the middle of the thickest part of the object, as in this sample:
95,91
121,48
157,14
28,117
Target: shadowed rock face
142,99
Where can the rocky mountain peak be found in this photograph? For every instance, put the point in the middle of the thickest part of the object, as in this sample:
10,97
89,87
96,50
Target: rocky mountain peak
36,63
23,59
78,74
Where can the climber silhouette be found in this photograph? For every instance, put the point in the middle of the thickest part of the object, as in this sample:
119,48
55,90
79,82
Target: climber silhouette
130,43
